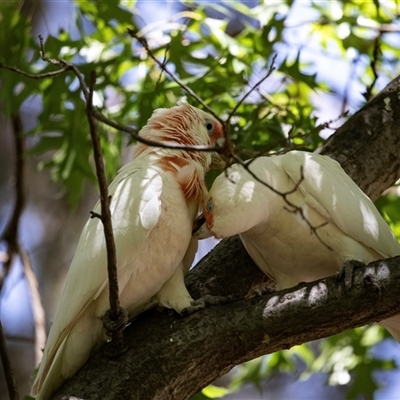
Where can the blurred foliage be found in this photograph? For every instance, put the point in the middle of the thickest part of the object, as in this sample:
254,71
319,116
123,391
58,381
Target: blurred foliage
219,49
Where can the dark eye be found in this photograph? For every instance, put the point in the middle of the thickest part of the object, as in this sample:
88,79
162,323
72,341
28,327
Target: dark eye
210,206
209,126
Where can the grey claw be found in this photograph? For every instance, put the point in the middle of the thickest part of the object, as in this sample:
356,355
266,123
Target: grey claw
347,271
207,301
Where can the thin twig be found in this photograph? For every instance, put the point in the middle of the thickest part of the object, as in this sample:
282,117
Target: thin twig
227,149
8,370
293,208
10,236
164,63
39,318
36,76
254,87
115,308
10,233
187,89
64,63
132,131
373,64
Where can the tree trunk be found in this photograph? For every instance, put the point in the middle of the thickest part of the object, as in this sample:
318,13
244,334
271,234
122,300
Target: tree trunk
174,357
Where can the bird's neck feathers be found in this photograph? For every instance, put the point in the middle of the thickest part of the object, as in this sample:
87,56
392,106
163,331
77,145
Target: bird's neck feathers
189,174
188,167
183,126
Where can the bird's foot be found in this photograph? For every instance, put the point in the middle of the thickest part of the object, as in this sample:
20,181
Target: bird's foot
114,328
207,301
112,324
346,272
267,287
258,292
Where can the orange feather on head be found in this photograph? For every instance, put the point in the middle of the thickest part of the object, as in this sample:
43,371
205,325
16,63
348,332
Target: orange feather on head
187,126
180,125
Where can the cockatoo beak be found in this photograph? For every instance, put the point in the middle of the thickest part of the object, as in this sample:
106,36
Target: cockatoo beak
200,230
217,162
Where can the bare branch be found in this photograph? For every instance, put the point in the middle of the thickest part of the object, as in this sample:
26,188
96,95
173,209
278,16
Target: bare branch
164,68
39,318
10,234
292,207
373,64
227,149
383,28
133,132
8,370
115,308
64,63
35,76
254,87
164,63
100,117
94,214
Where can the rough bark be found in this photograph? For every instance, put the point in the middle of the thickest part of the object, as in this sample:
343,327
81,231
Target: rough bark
174,357
368,144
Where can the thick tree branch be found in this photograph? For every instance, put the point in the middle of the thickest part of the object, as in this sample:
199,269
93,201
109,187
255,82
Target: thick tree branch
225,336
173,357
368,144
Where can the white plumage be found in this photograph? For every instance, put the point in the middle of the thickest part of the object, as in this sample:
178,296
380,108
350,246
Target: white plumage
154,200
278,239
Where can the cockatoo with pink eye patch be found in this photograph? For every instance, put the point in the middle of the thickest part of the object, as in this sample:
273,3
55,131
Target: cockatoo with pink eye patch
154,201
278,239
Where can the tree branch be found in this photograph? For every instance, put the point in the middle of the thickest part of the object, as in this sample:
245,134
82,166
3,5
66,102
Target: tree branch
142,40
368,145
8,370
173,357
254,87
10,234
115,309
225,336
67,66
51,74
10,237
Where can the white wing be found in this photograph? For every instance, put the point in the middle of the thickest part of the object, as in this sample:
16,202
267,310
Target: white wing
331,192
135,207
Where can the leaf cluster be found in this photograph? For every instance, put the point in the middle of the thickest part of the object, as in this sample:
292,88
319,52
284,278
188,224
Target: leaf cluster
218,51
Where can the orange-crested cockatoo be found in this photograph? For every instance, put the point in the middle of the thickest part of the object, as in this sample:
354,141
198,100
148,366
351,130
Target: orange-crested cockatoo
280,240
154,201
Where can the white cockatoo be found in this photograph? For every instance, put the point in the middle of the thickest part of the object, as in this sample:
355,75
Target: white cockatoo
279,240
154,201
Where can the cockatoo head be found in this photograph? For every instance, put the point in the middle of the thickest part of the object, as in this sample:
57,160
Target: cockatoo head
232,205
185,125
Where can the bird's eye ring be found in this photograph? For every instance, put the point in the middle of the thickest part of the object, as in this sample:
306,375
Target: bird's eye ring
209,126
210,206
